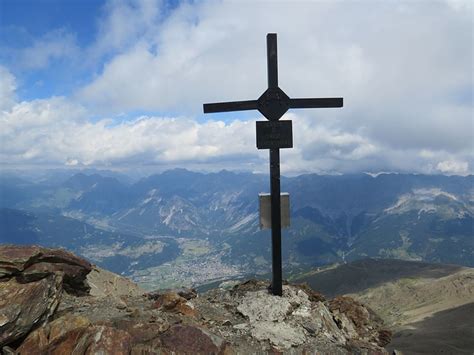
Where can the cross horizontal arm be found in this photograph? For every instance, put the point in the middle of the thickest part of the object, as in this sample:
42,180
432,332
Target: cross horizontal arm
316,103
230,106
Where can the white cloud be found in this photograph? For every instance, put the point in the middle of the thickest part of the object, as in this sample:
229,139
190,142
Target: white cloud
461,5
57,44
324,47
453,167
57,132
124,23
7,89
402,70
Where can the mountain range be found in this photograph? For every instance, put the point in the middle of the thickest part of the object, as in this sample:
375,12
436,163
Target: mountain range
189,228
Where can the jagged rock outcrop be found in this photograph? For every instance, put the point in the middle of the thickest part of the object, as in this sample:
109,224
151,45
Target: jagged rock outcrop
358,321
115,320
300,321
31,263
31,283
75,335
27,305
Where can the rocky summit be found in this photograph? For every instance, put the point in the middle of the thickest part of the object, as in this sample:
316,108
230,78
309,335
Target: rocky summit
52,302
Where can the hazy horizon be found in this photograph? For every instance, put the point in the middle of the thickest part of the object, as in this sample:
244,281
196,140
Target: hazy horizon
134,174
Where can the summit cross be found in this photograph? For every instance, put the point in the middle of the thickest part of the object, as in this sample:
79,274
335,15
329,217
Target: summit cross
273,135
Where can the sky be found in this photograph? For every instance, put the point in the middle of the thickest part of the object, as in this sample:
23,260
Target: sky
119,84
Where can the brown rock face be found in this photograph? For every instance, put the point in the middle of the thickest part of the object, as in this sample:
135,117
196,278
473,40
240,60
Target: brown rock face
185,339
106,340
358,321
32,263
384,337
141,332
40,339
75,335
24,306
31,283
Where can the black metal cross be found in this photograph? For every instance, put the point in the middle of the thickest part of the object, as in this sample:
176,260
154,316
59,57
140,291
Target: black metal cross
273,135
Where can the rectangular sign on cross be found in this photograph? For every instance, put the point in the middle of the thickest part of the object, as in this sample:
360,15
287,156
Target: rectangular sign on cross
274,134
265,206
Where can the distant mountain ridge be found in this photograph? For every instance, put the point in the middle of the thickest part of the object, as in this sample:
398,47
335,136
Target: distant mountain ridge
334,218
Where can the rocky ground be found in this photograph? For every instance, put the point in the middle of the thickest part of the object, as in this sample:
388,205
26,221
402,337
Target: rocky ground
52,302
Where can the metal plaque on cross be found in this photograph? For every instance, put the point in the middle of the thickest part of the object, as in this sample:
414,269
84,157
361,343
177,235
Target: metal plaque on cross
274,134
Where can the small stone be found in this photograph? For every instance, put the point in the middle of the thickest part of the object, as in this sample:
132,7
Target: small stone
227,323
227,285
6,350
310,329
154,295
186,308
3,320
121,305
187,293
168,301
135,313
163,327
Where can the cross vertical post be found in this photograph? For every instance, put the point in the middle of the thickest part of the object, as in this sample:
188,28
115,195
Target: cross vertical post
272,60
277,273
273,135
